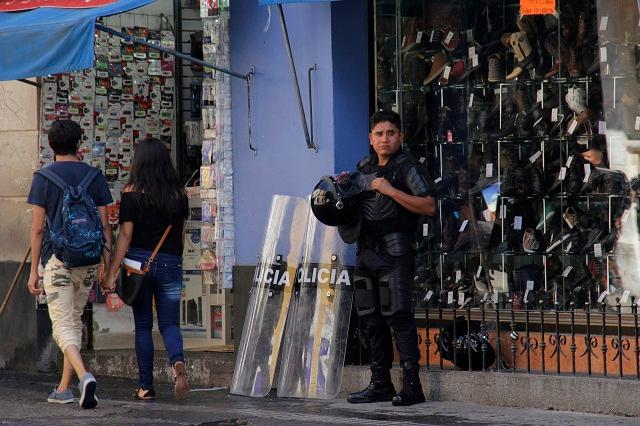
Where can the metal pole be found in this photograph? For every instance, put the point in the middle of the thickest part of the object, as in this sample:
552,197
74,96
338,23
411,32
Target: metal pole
171,52
294,79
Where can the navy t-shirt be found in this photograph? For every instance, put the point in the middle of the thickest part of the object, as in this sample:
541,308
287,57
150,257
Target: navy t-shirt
45,193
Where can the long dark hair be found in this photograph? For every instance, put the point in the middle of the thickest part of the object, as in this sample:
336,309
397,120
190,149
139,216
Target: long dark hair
153,174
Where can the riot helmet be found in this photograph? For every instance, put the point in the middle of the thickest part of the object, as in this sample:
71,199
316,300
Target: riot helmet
334,201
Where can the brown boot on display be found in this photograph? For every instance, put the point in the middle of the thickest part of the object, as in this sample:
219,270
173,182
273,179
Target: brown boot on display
439,63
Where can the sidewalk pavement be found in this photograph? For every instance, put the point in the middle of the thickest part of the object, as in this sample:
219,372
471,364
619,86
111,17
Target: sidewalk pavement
23,402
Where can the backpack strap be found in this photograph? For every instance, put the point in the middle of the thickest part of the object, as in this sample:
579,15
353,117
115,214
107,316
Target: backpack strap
89,177
53,178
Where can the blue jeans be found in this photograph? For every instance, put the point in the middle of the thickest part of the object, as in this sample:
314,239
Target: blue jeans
164,283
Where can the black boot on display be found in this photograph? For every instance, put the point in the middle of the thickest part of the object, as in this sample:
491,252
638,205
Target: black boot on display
380,388
411,392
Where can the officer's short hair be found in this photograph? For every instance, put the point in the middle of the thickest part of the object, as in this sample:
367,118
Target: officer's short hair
382,116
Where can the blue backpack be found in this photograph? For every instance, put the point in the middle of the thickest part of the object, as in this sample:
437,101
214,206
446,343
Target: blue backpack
81,240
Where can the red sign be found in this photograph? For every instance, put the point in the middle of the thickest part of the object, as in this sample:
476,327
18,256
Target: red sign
537,7
17,5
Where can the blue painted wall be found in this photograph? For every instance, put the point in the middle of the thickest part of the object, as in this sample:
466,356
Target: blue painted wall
283,164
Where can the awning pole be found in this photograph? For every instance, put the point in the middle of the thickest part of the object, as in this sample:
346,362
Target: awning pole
173,52
29,82
294,77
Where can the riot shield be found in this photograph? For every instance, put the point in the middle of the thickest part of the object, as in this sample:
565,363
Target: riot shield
316,334
270,296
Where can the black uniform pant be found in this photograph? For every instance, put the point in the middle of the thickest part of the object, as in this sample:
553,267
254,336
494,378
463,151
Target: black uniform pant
383,284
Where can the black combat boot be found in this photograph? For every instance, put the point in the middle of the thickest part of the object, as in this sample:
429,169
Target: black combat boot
380,388
411,392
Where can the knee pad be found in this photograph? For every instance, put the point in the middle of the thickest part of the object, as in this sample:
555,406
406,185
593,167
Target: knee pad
395,292
365,297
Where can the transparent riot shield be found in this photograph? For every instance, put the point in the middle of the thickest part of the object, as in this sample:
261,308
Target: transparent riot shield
315,339
270,296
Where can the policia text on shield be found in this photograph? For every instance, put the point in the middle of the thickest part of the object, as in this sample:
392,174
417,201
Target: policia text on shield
378,208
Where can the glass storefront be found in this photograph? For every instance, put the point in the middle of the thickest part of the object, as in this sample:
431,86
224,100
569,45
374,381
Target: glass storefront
530,127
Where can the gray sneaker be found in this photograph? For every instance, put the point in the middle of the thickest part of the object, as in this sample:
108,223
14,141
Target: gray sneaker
65,397
87,388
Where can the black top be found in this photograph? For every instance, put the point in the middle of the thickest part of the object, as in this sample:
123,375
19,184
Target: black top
149,225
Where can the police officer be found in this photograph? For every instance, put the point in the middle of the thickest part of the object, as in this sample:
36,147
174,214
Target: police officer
399,193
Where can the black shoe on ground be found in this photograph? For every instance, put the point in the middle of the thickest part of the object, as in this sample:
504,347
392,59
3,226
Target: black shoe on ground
380,388
411,392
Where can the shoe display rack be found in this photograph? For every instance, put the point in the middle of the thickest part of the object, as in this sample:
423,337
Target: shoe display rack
529,126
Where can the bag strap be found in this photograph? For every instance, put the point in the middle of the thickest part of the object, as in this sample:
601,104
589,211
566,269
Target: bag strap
89,177
155,251
53,178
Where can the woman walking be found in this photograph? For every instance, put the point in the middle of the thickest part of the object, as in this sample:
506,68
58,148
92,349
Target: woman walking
153,200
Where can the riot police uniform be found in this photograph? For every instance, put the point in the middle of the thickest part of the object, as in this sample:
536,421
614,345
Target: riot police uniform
384,277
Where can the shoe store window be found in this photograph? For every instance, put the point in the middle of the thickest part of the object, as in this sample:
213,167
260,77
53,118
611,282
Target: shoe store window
530,126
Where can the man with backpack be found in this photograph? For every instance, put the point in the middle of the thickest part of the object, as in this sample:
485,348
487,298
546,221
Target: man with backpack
69,235
400,193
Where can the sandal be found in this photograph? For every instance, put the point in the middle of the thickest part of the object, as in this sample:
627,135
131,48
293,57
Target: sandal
144,394
181,388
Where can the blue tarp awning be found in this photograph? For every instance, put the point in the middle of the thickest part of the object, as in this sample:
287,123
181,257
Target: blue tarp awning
51,40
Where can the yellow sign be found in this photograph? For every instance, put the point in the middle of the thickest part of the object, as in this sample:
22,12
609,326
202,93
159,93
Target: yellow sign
537,7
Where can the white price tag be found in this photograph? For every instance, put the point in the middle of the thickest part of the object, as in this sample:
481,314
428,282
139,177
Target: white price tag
458,275
489,170
569,161
438,180
517,223
479,271
572,127
472,51
587,173
428,296
554,115
448,38
603,54
625,216
461,298
625,296
464,225
602,127
602,296
535,156
567,271
470,100
603,23
450,298
530,285
637,125
474,61
563,173
419,37
433,33
422,159
425,229
539,96
447,71
597,250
